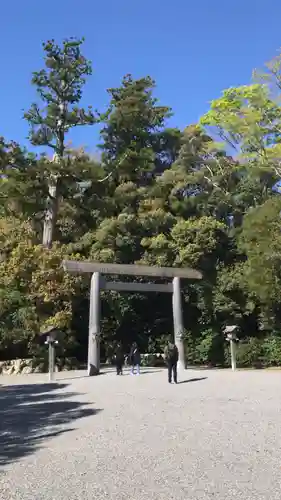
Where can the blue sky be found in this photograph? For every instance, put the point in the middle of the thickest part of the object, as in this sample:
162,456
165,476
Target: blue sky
192,49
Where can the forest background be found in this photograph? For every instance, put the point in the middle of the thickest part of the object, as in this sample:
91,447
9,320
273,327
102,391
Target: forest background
205,197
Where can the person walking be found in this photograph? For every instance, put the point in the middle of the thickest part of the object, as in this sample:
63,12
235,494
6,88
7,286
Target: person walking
119,359
135,359
171,355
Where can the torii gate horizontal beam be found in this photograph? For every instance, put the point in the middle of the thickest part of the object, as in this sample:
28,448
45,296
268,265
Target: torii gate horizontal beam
119,286
77,266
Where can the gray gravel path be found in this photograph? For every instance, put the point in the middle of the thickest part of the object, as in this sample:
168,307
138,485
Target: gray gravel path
139,438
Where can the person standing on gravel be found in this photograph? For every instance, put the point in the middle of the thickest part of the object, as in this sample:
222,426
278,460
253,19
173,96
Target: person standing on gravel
135,359
171,355
119,360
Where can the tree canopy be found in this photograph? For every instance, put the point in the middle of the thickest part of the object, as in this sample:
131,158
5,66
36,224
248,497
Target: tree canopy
199,197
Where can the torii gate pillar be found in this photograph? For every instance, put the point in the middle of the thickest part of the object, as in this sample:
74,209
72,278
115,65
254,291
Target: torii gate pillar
94,326
178,321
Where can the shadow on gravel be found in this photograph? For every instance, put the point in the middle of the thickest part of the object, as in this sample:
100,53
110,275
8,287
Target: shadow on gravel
145,372
62,379
73,377
192,380
33,413
127,371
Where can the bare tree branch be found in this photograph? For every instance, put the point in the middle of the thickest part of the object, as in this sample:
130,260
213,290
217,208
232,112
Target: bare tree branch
112,171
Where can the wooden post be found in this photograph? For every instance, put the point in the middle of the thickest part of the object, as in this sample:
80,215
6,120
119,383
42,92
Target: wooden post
178,321
94,327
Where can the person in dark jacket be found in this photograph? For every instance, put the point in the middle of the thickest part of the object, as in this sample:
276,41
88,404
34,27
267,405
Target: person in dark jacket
119,360
135,359
171,355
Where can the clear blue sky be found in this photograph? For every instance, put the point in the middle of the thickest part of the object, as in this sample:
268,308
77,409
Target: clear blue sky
192,49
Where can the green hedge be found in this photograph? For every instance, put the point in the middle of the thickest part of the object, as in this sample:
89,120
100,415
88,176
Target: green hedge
208,349
259,353
211,349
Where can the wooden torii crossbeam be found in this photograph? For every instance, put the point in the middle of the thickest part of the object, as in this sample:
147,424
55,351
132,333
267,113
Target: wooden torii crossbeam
99,283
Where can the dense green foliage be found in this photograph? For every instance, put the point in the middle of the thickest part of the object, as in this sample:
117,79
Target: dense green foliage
200,197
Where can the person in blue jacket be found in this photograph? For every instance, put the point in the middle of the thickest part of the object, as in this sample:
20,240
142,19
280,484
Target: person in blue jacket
135,359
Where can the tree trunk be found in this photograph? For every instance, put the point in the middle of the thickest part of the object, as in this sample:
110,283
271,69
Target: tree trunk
51,213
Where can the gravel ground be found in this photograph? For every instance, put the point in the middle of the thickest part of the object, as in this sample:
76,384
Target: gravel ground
216,435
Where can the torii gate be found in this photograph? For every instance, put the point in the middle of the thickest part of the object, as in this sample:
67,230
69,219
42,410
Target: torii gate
99,283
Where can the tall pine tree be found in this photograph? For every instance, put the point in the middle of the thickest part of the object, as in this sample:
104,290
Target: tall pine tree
59,86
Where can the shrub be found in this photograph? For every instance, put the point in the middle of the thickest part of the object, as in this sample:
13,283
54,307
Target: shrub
210,349
204,348
272,351
250,353
189,348
152,360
